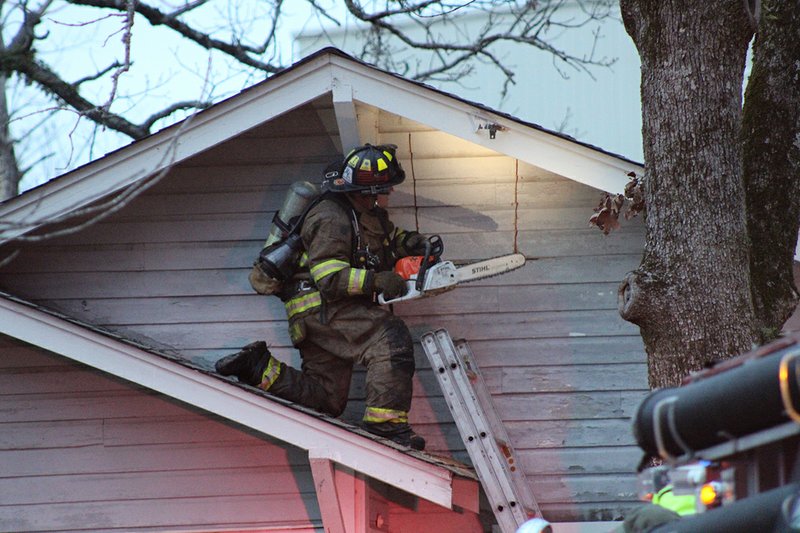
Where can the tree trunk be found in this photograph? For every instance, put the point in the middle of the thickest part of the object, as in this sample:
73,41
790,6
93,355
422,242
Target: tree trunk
771,144
9,170
691,294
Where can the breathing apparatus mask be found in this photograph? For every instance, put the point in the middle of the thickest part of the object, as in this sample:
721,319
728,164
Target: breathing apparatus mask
278,260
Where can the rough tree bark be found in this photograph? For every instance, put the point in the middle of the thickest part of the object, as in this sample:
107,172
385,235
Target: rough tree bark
9,169
691,294
771,143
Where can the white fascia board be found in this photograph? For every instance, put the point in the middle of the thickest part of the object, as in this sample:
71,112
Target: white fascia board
172,145
550,152
321,439
346,117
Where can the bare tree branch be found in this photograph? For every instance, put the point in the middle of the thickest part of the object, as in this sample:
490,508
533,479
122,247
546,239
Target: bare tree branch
177,106
187,7
95,213
24,38
388,37
154,16
126,64
39,73
96,76
526,27
324,12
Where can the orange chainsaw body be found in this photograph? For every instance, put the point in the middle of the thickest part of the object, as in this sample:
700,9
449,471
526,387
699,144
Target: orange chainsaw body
408,267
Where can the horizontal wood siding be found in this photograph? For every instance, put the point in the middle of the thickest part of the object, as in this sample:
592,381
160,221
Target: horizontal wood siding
565,370
80,450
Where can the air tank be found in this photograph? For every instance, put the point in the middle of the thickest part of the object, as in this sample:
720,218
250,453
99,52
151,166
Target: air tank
299,195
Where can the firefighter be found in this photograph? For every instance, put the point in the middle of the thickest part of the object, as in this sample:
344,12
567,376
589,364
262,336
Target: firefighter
350,248
665,507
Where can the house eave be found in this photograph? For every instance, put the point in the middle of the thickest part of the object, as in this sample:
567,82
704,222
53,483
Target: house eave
322,439
329,71
526,142
146,158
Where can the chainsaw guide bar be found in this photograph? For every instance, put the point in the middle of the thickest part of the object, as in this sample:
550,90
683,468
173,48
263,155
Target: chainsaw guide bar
444,276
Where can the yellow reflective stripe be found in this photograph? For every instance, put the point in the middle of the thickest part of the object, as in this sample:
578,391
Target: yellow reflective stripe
304,302
379,414
270,374
326,268
683,504
303,261
355,283
296,333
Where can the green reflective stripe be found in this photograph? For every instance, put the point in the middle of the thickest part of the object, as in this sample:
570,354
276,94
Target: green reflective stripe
326,268
355,283
303,261
296,333
270,374
683,504
379,414
301,303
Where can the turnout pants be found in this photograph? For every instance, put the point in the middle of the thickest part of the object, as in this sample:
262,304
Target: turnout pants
361,333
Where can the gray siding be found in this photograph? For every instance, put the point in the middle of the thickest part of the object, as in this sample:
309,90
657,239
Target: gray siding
82,451
565,371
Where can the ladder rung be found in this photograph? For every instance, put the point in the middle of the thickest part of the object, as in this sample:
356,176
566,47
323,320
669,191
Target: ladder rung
480,428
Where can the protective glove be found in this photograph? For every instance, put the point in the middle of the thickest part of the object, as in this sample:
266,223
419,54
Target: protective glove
261,282
415,243
390,284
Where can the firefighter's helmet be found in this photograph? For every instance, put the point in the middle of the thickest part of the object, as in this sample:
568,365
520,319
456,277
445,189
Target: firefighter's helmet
367,169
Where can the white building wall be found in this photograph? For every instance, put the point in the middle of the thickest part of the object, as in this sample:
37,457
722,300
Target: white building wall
600,107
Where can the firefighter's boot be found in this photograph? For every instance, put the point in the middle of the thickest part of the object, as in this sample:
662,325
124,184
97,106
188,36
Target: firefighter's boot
248,364
401,433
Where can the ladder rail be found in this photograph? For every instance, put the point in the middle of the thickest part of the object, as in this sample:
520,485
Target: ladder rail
512,467
481,430
474,432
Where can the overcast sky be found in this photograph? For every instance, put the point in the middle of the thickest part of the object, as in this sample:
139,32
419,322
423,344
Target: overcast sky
603,111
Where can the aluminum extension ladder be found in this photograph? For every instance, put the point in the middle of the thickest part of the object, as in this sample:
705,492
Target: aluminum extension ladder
482,431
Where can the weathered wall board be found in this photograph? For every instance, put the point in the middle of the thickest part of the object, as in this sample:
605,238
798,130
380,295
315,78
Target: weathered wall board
564,369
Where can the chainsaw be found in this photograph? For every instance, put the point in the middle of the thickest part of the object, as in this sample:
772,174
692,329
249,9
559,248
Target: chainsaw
428,275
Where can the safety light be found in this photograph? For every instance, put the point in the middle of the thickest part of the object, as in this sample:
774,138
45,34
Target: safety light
710,494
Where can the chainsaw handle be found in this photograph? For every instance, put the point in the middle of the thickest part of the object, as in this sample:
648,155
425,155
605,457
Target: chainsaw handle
437,247
433,250
411,294
424,266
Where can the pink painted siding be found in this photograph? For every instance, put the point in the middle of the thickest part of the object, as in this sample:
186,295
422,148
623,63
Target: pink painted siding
80,450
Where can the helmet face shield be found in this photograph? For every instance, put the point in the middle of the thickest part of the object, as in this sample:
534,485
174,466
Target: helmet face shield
368,170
